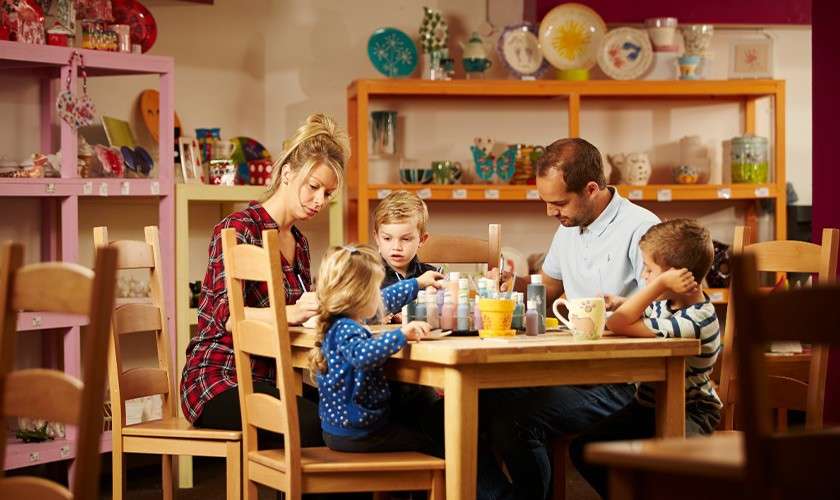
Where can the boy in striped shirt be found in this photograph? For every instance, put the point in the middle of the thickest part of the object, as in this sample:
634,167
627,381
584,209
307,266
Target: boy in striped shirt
677,255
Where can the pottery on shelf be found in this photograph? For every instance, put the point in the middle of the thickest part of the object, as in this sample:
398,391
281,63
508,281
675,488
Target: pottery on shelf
663,33
697,38
475,56
416,175
688,66
634,167
694,153
686,174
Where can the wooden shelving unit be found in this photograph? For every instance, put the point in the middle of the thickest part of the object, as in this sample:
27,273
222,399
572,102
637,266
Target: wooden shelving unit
361,93
59,200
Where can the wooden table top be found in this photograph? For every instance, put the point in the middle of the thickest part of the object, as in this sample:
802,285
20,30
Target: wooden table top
550,347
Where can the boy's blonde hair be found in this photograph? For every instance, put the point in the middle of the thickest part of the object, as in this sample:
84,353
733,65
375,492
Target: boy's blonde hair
680,243
318,141
348,281
401,206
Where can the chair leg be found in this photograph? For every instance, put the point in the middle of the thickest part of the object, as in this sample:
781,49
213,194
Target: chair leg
167,481
438,491
559,451
117,475
233,470
381,495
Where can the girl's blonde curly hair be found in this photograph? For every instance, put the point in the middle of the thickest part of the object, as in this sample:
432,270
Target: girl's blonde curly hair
348,282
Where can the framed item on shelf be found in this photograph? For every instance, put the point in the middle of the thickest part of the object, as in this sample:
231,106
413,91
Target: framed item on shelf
751,58
190,163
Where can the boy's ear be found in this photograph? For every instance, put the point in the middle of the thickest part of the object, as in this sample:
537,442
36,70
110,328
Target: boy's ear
423,238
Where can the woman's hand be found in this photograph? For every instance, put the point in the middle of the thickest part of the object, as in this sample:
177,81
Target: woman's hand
678,280
429,278
303,309
416,330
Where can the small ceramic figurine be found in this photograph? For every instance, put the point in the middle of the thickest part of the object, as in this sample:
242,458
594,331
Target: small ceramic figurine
634,167
475,57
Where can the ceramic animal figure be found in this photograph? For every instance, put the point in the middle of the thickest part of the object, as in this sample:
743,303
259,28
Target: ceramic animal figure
634,167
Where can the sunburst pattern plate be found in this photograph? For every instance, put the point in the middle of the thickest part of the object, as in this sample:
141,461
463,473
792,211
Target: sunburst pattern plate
570,35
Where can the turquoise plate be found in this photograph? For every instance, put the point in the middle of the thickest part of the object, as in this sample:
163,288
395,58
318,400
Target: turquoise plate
392,52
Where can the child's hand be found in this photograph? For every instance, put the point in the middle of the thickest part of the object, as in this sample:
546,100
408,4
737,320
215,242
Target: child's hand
613,302
305,307
429,278
678,280
416,330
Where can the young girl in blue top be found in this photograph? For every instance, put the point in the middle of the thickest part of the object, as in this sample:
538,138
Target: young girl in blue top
356,409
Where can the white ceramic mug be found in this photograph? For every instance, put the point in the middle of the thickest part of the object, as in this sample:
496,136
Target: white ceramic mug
223,149
587,317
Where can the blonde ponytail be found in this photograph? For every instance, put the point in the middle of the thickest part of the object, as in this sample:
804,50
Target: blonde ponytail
348,281
318,141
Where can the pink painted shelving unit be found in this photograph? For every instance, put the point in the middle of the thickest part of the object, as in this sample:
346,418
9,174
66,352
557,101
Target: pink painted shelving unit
59,200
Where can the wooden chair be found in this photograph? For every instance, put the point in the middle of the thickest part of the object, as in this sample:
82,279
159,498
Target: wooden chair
295,470
443,249
171,435
756,463
51,394
786,392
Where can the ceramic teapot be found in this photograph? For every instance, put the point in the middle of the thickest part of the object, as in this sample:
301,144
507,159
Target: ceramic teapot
475,55
634,167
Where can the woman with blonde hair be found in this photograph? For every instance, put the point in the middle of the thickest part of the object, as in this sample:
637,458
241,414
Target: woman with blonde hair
355,406
308,173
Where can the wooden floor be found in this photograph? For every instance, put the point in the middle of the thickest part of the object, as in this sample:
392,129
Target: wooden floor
209,475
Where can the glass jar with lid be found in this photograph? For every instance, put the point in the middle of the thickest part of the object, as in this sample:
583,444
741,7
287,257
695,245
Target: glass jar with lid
750,159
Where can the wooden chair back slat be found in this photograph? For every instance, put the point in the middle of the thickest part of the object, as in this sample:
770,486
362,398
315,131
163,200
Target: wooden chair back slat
260,339
247,262
781,256
462,250
143,381
134,254
266,412
53,287
134,318
35,393
41,393
792,463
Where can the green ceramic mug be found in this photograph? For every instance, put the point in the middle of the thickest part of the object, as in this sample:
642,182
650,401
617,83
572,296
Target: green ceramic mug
446,172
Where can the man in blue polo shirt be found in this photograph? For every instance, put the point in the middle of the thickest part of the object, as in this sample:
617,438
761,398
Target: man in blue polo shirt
595,252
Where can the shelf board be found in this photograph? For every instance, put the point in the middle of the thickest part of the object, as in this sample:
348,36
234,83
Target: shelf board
653,192
667,89
79,186
209,192
15,55
31,321
20,454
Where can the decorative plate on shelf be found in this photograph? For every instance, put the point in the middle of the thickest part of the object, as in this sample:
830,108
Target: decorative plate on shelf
570,35
519,49
625,54
141,21
247,150
392,52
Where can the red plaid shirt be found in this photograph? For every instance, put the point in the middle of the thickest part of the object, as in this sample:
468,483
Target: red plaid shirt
210,369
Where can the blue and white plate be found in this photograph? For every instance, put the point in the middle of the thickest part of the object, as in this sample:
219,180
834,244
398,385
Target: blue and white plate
392,52
519,48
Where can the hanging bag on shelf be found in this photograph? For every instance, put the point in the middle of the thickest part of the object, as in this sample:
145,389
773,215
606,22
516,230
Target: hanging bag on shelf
76,111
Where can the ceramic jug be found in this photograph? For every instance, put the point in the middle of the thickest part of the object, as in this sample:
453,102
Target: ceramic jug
475,55
634,167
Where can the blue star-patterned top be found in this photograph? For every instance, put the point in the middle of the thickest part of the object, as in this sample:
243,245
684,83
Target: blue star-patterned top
354,395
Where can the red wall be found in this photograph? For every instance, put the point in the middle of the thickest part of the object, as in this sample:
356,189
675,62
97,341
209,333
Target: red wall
761,12
826,174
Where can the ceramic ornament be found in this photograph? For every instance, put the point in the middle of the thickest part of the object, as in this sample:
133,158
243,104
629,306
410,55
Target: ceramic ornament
434,31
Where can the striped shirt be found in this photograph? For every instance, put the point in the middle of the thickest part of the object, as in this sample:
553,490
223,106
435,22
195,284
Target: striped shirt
698,321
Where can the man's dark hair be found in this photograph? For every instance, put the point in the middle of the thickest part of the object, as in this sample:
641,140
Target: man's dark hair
577,159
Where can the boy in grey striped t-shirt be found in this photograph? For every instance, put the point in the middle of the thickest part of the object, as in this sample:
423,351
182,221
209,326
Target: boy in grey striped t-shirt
677,255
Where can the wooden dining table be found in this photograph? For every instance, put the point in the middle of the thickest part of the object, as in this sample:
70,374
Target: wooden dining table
461,366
